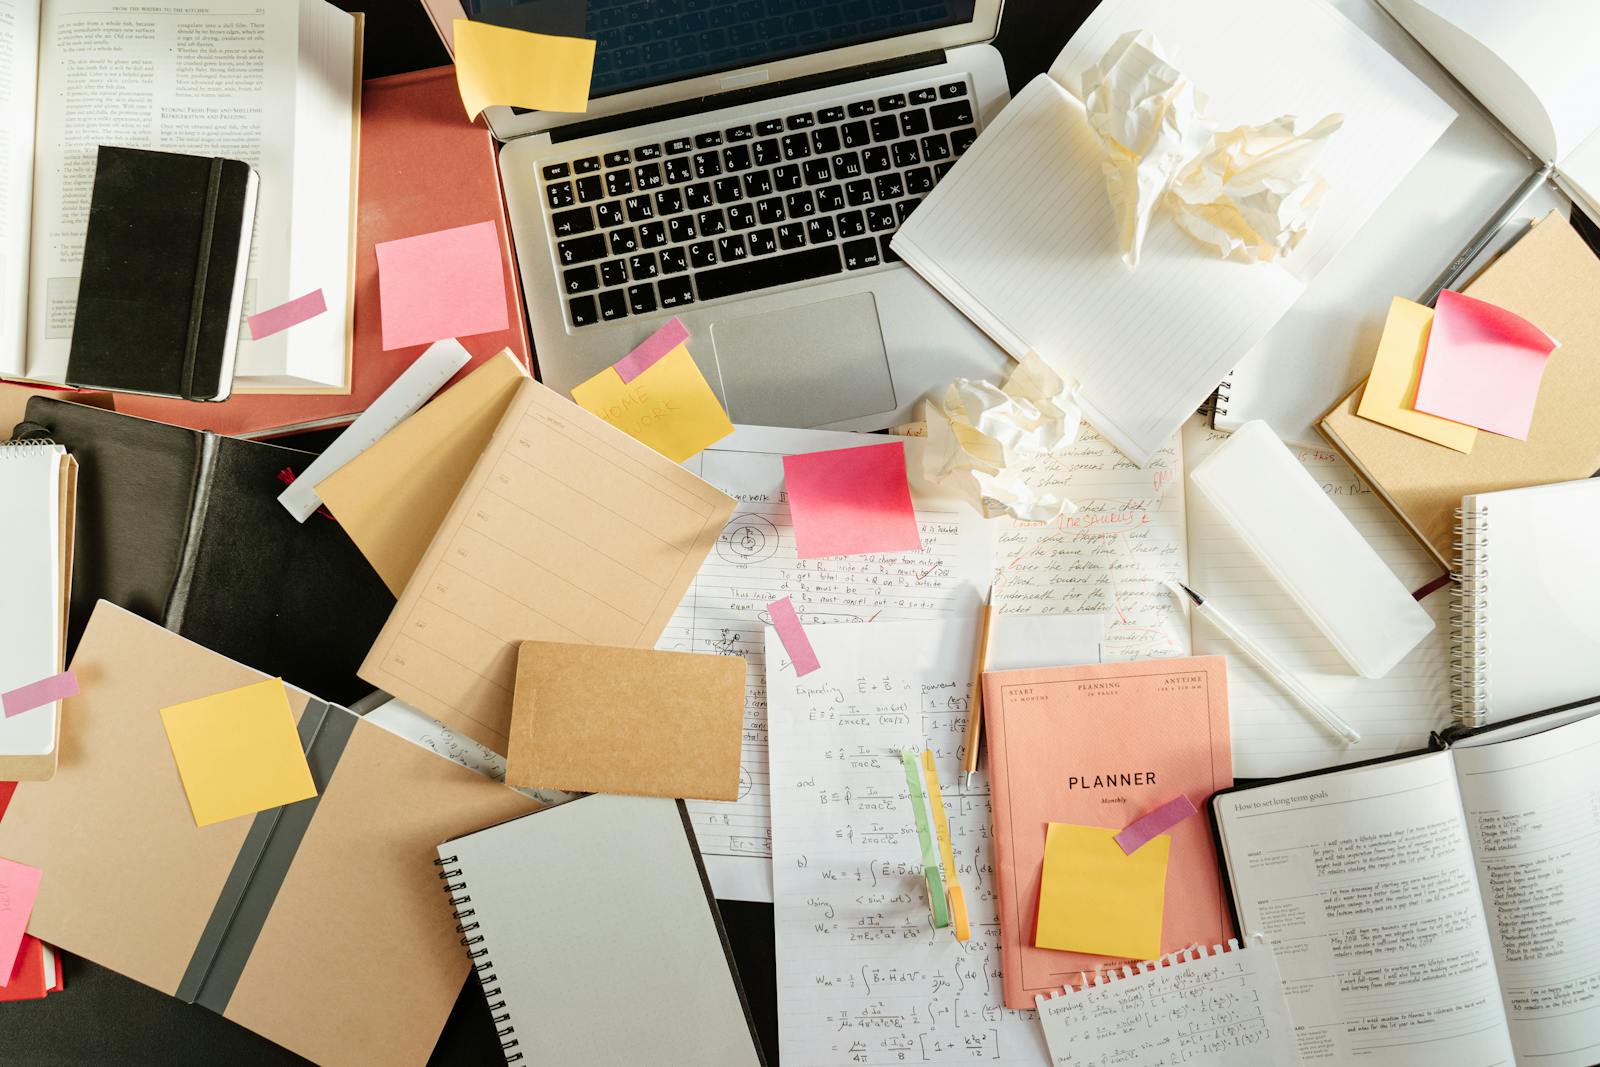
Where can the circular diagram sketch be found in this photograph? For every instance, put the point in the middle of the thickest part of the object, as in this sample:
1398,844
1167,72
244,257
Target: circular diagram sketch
748,539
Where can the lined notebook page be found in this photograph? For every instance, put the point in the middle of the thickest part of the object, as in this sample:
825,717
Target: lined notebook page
1021,237
30,587
753,563
1258,59
567,530
1272,735
1109,557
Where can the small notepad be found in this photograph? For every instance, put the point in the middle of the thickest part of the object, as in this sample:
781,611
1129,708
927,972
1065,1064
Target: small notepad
1149,1015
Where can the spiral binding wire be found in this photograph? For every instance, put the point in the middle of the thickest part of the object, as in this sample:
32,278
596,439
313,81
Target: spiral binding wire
1107,975
477,952
32,446
1219,399
1469,618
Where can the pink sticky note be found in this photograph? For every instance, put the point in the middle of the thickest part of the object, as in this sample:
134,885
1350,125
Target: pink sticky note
1140,832
650,350
19,887
793,635
1483,366
38,694
851,500
450,283
276,320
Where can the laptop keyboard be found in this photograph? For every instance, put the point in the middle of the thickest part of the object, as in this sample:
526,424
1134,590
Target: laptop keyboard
809,194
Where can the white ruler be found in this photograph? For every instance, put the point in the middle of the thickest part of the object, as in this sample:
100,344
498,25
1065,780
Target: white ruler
409,392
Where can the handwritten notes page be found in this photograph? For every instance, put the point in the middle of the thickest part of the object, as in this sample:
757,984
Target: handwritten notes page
566,530
754,563
1272,736
1222,1009
1109,557
863,977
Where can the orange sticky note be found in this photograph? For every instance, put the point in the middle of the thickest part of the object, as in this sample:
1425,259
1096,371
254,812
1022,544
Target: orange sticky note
1483,366
1096,899
238,752
1391,391
448,283
501,65
850,501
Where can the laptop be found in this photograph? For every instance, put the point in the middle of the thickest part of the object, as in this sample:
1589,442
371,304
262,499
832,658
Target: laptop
743,166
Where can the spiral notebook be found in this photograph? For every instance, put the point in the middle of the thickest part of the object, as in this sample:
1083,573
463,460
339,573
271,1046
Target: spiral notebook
1524,610
38,485
593,930
1147,1014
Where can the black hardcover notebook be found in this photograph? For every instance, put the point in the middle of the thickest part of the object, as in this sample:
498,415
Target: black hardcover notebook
162,287
185,529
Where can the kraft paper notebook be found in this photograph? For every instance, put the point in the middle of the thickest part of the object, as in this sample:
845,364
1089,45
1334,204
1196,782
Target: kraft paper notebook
1549,277
593,930
1102,745
1436,909
567,530
1526,630
38,509
317,925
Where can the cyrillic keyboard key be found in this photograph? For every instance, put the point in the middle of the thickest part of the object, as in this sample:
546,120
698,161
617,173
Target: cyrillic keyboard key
583,310
571,223
581,249
862,253
955,113
580,279
765,273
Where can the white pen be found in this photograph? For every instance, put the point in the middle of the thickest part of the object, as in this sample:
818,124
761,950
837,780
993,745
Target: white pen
1274,670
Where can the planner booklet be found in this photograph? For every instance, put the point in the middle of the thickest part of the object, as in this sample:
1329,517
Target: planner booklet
275,85
1437,909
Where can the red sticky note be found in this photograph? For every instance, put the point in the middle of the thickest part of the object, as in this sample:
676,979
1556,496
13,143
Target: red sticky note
448,283
850,501
1483,366
19,886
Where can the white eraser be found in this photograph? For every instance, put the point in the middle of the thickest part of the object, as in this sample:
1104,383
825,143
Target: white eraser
1318,556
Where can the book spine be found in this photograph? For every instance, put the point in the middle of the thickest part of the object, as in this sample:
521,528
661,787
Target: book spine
1469,619
1107,975
472,939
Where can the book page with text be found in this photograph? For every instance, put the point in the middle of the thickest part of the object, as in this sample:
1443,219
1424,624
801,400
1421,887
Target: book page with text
1533,813
208,78
1363,880
19,66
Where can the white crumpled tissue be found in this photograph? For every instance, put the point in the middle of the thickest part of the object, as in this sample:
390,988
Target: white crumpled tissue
978,433
1249,193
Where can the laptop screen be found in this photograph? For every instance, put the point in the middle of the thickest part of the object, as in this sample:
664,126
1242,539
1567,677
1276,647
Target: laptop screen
640,43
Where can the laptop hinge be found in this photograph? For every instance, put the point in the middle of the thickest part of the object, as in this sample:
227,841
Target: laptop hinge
735,97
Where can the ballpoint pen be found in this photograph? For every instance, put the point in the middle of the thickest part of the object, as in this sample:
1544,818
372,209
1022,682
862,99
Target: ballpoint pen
1280,674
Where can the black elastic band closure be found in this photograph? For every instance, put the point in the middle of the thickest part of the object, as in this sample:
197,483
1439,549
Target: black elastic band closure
197,299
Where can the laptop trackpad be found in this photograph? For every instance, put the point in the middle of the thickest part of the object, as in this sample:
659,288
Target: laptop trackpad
805,366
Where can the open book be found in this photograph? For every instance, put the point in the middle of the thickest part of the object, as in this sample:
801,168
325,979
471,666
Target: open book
1022,238
275,85
1436,909
1533,66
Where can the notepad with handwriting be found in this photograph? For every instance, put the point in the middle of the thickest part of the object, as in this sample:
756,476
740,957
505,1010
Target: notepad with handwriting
567,530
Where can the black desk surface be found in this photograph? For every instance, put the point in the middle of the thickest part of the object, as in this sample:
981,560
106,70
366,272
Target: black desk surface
102,1017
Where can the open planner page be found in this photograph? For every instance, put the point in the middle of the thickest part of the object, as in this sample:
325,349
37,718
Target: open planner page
1533,813
1111,555
863,976
1272,735
1364,882
753,563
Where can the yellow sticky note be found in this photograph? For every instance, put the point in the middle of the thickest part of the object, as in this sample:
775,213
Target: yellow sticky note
238,752
500,65
669,406
1094,898
1392,387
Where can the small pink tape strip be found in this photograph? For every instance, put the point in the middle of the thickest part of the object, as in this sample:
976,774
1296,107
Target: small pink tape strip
653,348
1141,831
276,320
793,636
38,694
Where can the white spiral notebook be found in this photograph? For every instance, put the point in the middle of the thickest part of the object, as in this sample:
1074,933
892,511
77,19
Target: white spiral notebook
37,487
1524,619
593,930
